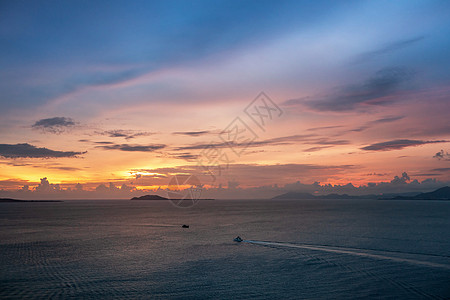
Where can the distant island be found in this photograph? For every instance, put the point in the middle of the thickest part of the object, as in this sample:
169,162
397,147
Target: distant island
157,197
305,196
2,200
149,197
439,194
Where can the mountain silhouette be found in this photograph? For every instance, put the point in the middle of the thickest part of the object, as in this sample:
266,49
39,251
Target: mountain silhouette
439,194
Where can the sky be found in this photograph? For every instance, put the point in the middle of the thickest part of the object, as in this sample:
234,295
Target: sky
108,99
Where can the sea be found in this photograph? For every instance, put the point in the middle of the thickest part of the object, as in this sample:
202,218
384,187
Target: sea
291,249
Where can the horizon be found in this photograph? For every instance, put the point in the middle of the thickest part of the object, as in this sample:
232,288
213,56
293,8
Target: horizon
113,100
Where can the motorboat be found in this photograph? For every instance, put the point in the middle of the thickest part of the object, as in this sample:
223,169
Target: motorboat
237,239
185,226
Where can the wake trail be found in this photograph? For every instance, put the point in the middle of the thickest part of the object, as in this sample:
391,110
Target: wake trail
351,251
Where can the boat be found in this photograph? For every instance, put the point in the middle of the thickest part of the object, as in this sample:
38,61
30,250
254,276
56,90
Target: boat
185,226
237,239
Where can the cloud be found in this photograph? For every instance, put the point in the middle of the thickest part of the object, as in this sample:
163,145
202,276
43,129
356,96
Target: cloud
397,145
441,155
133,148
386,120
54,125
127,134
193,133
284,140
62,168
401,180
186,156
388,48
373,91
376,122
324,127
14,182
104,143
250,174
29,151
46,187
314,149
441,170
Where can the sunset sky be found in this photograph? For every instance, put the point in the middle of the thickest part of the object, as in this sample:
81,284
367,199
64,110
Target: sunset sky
120,96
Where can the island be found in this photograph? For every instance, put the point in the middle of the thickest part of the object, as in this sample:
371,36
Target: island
157,197
439,194
149,197
3,200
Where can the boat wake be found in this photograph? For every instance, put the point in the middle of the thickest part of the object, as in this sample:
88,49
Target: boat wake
375,254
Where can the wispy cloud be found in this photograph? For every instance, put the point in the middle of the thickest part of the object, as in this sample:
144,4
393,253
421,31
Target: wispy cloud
386,120
373,123
397,145
315,149
252,174
29,151
324,128
307,139
397,45
133,148
385,82
193,133
441,170
186,156
127,134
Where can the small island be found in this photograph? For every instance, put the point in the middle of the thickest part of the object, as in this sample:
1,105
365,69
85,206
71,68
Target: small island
157,197
3,200
149,197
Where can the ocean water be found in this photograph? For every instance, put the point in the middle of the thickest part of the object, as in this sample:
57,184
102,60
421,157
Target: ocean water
316,249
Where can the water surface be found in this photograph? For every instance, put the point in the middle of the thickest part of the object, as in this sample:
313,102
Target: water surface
318,249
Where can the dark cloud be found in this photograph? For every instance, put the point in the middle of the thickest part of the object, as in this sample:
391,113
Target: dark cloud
133,148
441,170
373,91
387,120
15,163
388,48
376,174
441,155
104,143
29,151
428,174
54,125
127,134
98,143
314,149
185,156
401,180
62,168
397,144
193,133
